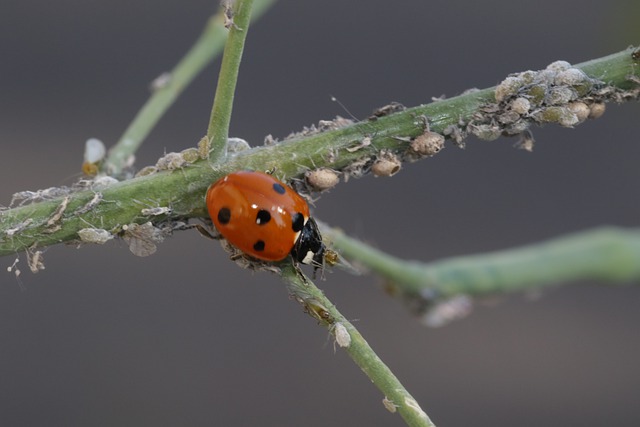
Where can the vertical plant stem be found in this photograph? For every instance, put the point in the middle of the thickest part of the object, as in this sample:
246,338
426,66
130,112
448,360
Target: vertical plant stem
205,49
396,397
218,130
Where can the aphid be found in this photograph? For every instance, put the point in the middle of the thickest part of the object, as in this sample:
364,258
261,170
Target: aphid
322,179
142,238
160,82
171,161
94,235
340,332
94,153
447,311
317,310
389,405
204,146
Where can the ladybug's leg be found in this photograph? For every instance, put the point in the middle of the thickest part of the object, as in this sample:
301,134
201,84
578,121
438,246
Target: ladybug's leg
296,267
201,229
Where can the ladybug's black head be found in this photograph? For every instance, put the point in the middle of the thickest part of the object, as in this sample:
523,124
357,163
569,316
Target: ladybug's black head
309,248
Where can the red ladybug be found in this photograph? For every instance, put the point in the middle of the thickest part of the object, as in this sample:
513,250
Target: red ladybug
264,218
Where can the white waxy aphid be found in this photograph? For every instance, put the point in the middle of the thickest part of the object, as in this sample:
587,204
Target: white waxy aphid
102,182
94,235
444,312
340,332
94,150
521,105
171,161
236,145
160,82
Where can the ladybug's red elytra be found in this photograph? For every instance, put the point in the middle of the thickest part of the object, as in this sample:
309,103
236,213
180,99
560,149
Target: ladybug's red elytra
264,218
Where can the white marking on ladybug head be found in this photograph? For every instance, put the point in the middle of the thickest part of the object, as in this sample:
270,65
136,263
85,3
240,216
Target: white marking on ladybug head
308,258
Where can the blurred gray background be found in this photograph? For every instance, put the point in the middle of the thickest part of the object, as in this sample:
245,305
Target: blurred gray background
103,338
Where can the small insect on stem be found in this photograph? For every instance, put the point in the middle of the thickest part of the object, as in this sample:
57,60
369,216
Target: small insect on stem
160,82
315,309
389,405
341,334
142,238
94,235
94,153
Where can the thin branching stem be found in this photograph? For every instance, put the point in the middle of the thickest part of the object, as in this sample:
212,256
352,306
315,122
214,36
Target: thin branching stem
341,149
607,254
313,300
238,18
205,49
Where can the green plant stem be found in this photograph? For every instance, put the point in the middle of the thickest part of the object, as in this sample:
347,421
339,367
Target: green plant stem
218,130
205,49
606,254
183,190
306,292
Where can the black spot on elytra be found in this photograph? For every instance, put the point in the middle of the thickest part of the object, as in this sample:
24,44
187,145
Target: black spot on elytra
224,215
278,188
298,222
258,246
263,217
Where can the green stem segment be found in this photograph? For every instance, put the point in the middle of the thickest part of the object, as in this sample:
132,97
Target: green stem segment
397,398
607,254
206,48
218,130
183,190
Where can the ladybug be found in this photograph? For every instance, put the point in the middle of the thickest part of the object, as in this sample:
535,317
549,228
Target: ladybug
264,218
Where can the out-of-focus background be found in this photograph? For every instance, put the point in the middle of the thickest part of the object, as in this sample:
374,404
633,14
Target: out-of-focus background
184,337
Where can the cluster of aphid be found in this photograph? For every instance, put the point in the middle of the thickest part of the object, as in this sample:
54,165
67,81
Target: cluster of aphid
559,94
263,220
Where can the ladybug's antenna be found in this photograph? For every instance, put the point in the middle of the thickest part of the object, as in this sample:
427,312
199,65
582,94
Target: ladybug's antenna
334,99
